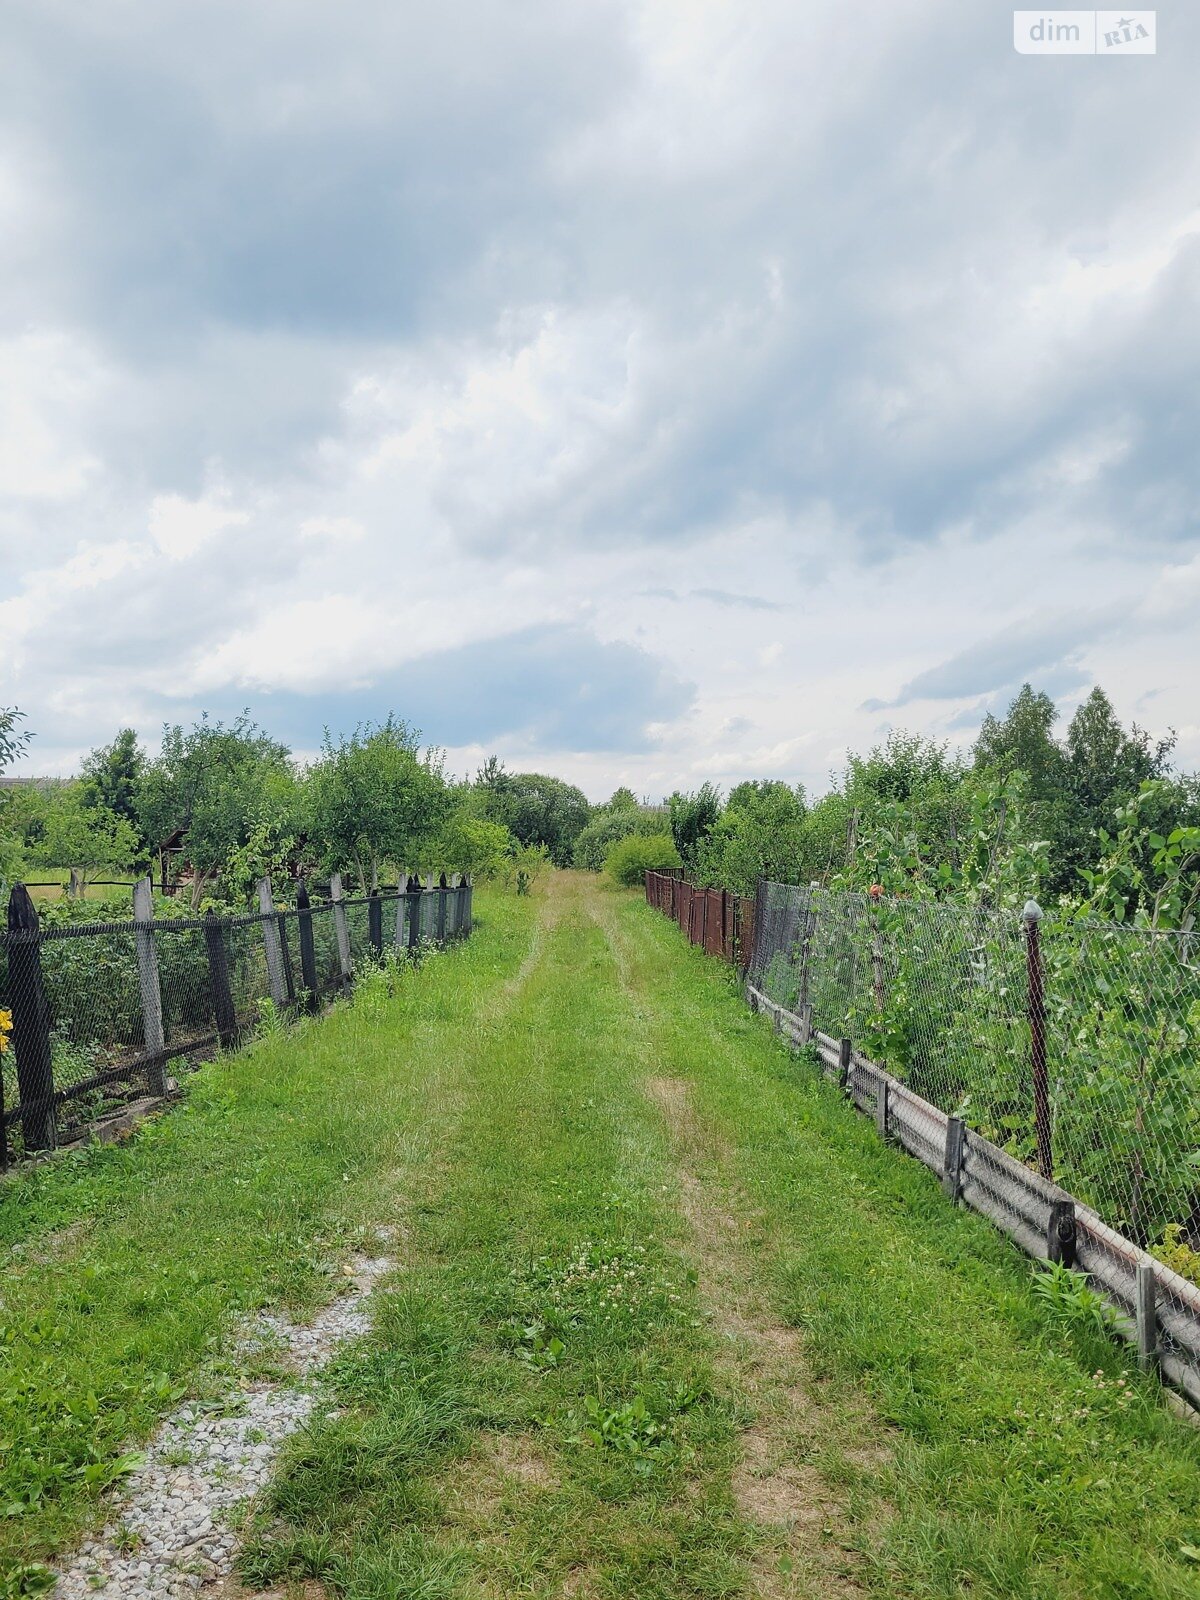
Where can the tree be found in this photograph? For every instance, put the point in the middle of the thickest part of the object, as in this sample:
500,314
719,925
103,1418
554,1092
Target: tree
623,799
12,743
759,834
80,835
214,786
692,817
373,797
535,808
607,826
112,776
12,739
472,845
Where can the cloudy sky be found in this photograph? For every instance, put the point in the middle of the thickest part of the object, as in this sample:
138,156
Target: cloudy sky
647,390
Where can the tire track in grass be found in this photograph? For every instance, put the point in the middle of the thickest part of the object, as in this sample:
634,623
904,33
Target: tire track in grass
809,1548
808,1530
460,1463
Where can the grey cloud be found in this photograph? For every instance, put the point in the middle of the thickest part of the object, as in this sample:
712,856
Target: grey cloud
748,602
543,688
1026,650
247,228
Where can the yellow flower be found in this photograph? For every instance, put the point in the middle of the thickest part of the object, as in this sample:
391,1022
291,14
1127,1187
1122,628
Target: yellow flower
5,1030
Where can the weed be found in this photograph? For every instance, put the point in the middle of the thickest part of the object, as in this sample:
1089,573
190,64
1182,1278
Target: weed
1070,1300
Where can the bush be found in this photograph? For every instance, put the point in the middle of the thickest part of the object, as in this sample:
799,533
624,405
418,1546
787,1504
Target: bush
608,828
630,859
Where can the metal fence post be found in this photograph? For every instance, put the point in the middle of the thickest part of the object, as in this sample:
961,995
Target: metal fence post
1147,1316
877,962
218,977
308,948
952,1168
150,987
413,896
270,932
401,885
341,930
810,919
1032,915
289,970
1060,1232
30,1023
375,922
441,910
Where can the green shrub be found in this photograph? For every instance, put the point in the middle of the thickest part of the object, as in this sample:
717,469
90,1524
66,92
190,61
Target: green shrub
608,828
630,859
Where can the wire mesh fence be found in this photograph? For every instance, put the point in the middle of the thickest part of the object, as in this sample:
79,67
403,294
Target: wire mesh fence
1047,1069
1072,1045
92,1014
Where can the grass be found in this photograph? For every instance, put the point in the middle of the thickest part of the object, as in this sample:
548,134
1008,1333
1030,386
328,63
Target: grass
50,883
667,1319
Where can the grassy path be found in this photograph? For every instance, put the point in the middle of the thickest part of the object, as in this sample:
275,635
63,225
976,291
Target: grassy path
666,1321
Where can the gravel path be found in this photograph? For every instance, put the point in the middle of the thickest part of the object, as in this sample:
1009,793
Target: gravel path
168,1535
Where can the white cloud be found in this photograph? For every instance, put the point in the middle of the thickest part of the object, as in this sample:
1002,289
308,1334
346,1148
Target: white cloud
810,352
181,528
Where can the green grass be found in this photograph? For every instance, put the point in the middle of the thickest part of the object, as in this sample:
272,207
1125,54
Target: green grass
553,1399
51,882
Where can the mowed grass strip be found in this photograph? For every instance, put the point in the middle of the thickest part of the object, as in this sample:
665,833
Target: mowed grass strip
1027,1458
124,1268
535,1412
667,1319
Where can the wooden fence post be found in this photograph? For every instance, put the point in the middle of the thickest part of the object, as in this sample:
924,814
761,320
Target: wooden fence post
375,922
218,977
401,885
30,1023
270,933
843,1074
441,910
308,948
806,1023
75,887
952,1167
1037,1038
413,896
881,1107
341,930
1146,1298
469,902
150,987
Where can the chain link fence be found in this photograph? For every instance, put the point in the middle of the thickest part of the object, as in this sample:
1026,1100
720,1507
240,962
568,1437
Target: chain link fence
1045,1068
1073,1045
93,1014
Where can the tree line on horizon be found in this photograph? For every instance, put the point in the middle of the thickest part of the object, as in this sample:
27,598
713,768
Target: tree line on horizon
1098,816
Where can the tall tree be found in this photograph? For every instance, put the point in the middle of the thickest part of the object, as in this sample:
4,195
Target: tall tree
373,797
112,776
213,786
693,817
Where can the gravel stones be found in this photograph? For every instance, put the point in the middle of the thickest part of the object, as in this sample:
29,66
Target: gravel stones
169,1533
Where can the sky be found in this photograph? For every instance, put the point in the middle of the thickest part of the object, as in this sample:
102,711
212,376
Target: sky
649,391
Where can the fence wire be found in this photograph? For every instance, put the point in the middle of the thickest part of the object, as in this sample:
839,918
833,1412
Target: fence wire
95,1015
941,996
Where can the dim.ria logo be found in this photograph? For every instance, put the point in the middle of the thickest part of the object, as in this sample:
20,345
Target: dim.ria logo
1084,33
